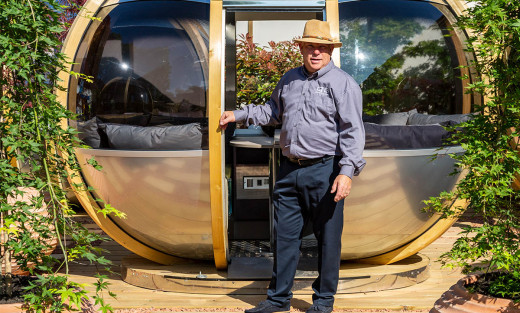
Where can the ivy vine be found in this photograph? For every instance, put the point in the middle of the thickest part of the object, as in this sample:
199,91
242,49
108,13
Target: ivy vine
36,156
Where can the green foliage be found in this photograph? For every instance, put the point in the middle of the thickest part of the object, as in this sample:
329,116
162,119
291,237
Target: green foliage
501,285
505,286
35,154
259,69
491,160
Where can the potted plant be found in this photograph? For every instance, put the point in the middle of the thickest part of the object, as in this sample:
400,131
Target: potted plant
490,249
36,150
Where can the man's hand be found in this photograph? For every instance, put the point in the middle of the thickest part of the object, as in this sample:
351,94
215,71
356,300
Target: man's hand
227,117
341,187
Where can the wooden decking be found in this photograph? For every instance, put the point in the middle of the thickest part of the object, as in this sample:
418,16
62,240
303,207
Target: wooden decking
419,297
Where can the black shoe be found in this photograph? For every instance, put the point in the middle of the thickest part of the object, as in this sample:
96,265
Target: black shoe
319,309
268,307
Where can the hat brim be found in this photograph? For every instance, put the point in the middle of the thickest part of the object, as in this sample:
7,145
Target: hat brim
336,44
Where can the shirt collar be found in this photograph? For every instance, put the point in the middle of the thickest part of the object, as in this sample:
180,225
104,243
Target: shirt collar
319,73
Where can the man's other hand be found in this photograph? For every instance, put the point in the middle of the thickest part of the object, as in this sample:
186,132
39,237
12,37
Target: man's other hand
227,117
341,187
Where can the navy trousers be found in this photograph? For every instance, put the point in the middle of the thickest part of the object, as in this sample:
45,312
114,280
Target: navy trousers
302,193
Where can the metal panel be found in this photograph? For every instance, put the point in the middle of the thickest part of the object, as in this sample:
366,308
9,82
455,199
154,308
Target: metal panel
248,171
384,208
165,196
412,152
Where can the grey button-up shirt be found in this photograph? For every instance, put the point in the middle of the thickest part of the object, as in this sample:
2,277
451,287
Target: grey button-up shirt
320,115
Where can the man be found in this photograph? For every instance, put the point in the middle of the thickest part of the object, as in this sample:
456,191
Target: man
322,140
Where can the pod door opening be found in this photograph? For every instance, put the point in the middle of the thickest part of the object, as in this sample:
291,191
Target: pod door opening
259,50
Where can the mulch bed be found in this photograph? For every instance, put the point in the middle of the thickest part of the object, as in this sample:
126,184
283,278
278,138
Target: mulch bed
18,282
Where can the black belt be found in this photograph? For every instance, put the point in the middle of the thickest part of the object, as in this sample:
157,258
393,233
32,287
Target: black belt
308,162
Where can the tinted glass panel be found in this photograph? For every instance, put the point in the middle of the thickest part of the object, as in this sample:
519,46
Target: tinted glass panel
398,52
149,64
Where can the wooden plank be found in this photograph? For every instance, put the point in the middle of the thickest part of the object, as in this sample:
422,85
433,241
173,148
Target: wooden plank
457,6
353,277
332,13
460,50
218,216
418,297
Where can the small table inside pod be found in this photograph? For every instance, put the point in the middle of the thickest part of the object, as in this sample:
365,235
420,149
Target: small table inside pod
257,141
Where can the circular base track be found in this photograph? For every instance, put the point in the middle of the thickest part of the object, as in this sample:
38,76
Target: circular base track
251,275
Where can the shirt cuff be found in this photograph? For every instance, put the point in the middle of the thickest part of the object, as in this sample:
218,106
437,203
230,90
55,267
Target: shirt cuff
240,115
347,170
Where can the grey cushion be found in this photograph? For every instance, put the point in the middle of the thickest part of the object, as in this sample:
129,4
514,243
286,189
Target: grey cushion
88,132
389,119
448,119
178,137
404,136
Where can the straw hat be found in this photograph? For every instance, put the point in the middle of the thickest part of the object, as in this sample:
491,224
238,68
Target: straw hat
318,32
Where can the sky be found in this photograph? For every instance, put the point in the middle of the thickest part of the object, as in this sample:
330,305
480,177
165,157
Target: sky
265,31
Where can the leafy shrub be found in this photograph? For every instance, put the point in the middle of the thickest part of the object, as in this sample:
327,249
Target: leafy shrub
260,68
491,159
500,285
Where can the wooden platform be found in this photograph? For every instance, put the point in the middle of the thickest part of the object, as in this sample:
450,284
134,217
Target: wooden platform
251,276
417,297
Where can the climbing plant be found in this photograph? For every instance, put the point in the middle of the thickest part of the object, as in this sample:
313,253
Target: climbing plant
491,159
70,10
36,155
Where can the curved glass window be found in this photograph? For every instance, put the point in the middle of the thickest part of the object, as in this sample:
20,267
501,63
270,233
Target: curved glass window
403,54
148,66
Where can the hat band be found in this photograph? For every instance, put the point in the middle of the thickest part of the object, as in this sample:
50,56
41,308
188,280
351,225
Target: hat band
319,37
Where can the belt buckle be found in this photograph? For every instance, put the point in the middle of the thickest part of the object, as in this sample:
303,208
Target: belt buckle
296,161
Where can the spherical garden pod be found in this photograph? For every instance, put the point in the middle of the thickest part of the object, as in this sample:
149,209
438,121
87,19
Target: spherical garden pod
154,90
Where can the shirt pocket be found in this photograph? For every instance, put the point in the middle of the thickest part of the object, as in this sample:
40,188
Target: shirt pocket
322,107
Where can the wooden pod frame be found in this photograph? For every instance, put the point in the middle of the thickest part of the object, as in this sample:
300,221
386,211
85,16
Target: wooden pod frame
214,105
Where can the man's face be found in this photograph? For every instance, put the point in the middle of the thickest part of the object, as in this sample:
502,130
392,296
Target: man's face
315,55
